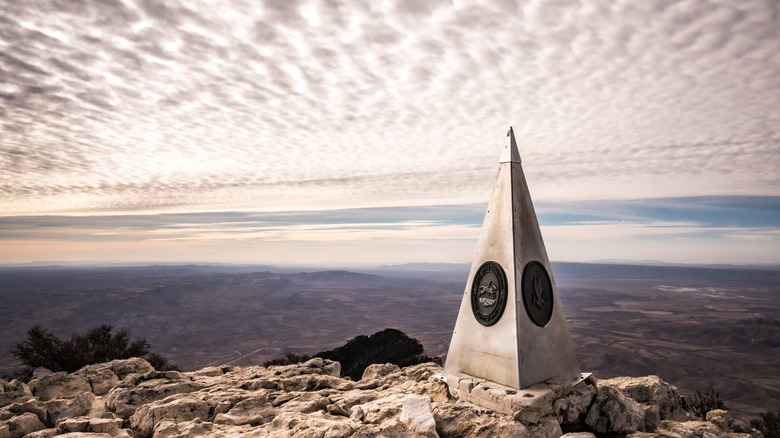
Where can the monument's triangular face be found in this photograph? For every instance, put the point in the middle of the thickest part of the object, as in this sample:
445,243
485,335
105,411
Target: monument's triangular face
511,328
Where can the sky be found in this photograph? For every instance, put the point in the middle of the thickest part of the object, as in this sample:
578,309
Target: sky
330,132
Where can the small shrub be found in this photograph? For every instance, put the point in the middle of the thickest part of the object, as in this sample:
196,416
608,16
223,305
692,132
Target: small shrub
768,424
701,403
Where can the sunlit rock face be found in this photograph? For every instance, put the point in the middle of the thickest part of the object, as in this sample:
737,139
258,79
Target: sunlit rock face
128,398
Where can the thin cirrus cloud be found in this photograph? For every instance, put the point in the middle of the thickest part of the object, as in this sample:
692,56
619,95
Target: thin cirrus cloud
140,107
676,230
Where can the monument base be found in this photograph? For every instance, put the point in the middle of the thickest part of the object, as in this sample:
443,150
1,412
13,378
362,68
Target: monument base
538,399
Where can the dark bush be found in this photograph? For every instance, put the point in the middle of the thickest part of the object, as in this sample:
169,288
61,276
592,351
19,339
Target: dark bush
160,363
701,403
287,359
40,349
388,345
100,344
768,424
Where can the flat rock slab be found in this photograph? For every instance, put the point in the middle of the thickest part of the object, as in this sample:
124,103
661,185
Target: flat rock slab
506,400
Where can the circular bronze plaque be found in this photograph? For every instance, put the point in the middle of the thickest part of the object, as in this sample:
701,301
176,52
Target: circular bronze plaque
537,293
488,293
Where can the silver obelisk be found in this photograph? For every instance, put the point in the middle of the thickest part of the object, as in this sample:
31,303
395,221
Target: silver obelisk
510,328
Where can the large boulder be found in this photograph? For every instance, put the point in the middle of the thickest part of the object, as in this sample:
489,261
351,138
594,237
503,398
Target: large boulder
20,425
84,404
135,365
650,390
377,370
101,378
572,408
14,391
61,385
32,405
177,408
137,390
252,411
612,412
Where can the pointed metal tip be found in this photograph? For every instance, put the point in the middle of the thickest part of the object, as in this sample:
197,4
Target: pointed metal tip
510,154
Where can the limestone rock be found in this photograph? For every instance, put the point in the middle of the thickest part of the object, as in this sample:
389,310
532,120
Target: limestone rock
84,404
133,392
690,429
548,427
467,420
416,414
61,385
84,435
382,409
578,435
21,425
572,408
378,370
14,391
44,433
528,416
135,365
651,390
652,416
612,412
75,424
41,372
356,412
111,426
334,409
504,399
193,428
177,408
310,400
726,422
253,411
100,377
31,405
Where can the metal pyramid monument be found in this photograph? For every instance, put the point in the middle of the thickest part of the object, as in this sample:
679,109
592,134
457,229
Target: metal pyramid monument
511,329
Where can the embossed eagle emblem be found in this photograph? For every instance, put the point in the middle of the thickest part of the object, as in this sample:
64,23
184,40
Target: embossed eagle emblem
538,297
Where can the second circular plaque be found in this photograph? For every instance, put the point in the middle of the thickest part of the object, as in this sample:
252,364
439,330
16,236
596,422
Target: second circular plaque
538,297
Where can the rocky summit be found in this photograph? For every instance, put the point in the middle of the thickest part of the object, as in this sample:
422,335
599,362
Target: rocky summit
129,398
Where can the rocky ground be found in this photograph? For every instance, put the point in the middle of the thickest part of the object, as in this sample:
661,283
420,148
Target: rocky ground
128,398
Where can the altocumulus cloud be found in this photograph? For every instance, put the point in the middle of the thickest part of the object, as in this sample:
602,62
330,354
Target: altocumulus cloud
146,106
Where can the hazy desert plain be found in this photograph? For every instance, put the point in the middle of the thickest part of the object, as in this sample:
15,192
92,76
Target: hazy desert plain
697,327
